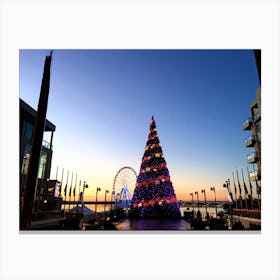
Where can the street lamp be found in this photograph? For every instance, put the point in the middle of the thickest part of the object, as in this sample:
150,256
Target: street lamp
203,191
97,190
112,195
191,194
106,191
85,186
213,189
116,203
227,185
197,200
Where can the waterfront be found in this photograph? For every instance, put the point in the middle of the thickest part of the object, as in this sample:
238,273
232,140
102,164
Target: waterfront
211,210
143,197
99,208
121,219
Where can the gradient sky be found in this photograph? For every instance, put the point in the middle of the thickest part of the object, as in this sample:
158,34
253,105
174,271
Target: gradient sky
102,101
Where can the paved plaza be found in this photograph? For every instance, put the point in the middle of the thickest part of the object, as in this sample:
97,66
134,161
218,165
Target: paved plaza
153,224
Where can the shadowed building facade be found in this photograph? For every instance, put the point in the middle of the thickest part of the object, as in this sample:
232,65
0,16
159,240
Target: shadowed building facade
253,125
47,192
27,122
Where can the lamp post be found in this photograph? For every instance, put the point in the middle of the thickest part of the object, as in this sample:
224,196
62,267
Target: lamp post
213,189
227,185
80,183
106,191
203,191
85,186
197,200
191,194
112,194
116,203
97,190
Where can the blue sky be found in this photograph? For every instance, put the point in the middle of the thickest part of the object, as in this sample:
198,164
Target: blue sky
101,102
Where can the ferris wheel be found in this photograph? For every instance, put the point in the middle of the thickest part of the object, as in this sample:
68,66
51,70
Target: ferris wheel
123,186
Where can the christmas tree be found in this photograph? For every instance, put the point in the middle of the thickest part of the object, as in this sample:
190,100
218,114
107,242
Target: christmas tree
154,195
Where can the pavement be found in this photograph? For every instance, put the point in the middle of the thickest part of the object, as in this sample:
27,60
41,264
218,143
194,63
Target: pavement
153,224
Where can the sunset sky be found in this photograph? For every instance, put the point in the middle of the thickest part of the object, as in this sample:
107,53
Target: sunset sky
102,101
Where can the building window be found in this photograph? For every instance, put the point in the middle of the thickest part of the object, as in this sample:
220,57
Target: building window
42,165
26,159
27,130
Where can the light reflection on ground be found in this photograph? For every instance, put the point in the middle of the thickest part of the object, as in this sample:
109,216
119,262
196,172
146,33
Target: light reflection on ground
154,224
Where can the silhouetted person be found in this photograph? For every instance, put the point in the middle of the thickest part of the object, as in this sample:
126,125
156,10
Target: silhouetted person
130,217
192,216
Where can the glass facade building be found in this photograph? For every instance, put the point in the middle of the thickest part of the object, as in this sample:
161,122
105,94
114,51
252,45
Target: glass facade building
27,122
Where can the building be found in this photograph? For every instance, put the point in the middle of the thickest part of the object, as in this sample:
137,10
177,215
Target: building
250,215
253,124
48,191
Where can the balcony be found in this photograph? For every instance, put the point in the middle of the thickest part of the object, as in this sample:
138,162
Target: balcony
259,136
247,124
46,145
257,116
255,175
252,158
249,141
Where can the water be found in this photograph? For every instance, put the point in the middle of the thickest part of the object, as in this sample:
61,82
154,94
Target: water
99,207
210,210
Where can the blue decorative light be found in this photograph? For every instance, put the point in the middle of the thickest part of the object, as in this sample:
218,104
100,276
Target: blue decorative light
154,195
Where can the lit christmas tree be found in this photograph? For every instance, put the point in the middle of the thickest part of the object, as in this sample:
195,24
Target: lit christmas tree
154,195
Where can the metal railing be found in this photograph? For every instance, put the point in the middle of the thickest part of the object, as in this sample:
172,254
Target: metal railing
46,144
247,123
254,175
249,140
250,213
252,157
257,116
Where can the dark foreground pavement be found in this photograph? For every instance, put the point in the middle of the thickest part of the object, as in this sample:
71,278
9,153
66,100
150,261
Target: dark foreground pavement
153,224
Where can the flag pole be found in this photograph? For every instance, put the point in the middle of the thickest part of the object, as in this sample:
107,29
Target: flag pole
65,190
251,189
240,191
61,187
55,188
235,191
246,192
257,189
61,182
70,191
56,173
74,191
80,182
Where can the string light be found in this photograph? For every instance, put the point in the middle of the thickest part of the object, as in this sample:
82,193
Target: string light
154,194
